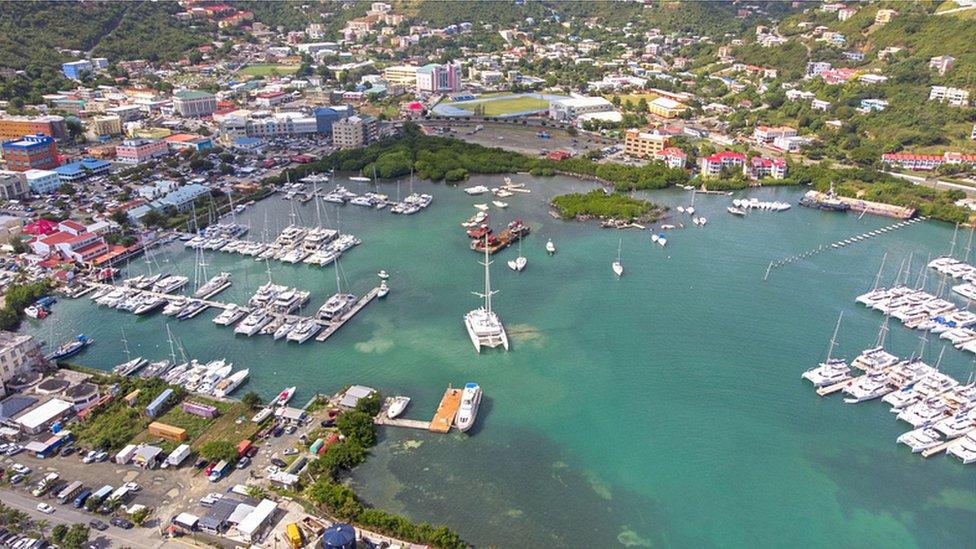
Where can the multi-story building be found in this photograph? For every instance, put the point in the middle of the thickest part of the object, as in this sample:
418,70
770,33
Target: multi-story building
263,124
953,96
758,168
105,126
42,181
136,151
768,134
183,198
271,99
355,131
12,127
564,110
194,103
712,166
672,156
845,13
325,117
644,144
401,75
72,241
434,78
942,63
973,134
81,170
29,152
665,107
815,68
12,185
19,353
928,161
75,70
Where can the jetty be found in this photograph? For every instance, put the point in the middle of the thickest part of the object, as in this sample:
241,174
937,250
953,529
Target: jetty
383,419
945,445
332,327
866,206
446,410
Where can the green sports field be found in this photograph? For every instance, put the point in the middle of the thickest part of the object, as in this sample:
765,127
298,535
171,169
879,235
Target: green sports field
265,70
501,107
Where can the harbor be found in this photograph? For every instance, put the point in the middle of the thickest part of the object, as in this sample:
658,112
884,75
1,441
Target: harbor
694,332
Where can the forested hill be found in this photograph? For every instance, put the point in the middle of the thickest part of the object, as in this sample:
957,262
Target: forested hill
31,33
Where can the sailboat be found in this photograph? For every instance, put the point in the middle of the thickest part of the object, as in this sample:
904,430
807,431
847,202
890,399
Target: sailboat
131,364
519,262
833,370
617,266
690,210
484,327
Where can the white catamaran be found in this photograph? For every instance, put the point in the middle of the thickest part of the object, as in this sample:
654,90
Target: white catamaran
484,327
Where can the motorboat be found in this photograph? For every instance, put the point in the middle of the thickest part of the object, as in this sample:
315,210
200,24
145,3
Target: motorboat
736,211
71,348
253,323
230,315
925,413
285,396
468,411
304,330
170,284
499,204
284,329
922,439
383,290
213,286
383,275
193,308
829,372
550,247
965,449
867,387
397,406
337,306
477,189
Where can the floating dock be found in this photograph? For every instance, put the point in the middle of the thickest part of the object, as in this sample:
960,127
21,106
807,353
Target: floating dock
446,410
332,327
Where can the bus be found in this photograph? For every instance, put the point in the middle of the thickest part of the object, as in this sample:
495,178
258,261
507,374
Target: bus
101,494
69,492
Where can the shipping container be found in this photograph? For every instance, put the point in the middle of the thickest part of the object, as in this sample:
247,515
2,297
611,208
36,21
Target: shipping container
167,432
179,455
242,447
294,535
157,405
125,456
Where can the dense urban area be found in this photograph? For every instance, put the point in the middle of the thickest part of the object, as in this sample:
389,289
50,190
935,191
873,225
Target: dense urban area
144,123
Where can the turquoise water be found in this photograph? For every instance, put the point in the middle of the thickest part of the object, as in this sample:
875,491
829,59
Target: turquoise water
662,409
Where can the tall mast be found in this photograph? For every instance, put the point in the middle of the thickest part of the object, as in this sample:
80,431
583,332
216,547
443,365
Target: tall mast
883,331
969,244
487,278
877,277
125,347
952,247
172,350
833,338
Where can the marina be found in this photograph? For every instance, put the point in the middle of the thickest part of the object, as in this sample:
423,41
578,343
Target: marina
716,334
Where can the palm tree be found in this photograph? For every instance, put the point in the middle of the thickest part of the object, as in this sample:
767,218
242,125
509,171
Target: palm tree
41,525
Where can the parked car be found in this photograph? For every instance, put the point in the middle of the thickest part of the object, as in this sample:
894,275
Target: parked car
89,457
65,452
290,451
211,498
201,463
16,479
101,456
98,525
121,523
45,508
280,463
132,487
22,469
243,462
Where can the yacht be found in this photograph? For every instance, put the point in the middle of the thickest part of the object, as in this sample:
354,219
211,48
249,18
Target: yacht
383,290
965,449
149,303
344,242
484,327
284,396
337,306
174,306
156,369
284,330
617,266
736,211
321,257
868,387
477,189
922,439
304,330
289,300
957,425
213,286
127,368
397,407
383,275
170,284
470,400
550,247
925,413
875,359
830,372
518,264
71,348
193,308
228,385
253,323
230,315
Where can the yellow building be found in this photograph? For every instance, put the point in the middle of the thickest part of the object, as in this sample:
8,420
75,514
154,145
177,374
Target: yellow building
105,125
665,108
643,144
401,75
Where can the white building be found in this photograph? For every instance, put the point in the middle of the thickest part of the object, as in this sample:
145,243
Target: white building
953,96
18,354
401,75
564,110
193,103
43,416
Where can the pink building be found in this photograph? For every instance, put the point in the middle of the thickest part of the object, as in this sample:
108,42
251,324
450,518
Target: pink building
136,151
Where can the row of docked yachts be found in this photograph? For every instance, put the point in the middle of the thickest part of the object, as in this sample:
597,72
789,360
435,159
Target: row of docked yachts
144,294
215,378
939,408
921,310
295,244
412,204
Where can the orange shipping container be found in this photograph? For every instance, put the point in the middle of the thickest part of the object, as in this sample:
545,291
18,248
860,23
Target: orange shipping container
167,432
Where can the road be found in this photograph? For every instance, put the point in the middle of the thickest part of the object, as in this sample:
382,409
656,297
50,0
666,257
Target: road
935,183
137,537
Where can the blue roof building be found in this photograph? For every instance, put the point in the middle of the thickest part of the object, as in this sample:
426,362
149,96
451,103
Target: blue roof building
76,69
182,199
81,170
325,117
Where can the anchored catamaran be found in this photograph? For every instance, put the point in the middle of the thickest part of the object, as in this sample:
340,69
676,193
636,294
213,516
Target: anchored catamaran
484,327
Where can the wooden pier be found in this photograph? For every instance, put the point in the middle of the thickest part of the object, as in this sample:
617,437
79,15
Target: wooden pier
332,327
446,410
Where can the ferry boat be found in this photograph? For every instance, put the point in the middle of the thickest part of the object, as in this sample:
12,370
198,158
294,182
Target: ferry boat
285,396
253,323
303,331
71,348
483,325
230,384
230,315
468,411
397,407
213,286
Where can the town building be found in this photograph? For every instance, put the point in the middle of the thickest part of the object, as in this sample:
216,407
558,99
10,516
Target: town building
644,144
767,134
564,110
41,417
924,162
12,185
815,68
183,198
182,141
104,126
75,70
759,167
36,151
81,170
325,117
435,78
844,14
884,16
42,181
872,104
354,132
271,99
19,353
401,75
72,241
942,63
665,107
673,157
194,103
12,127
136,151
264,124
711,166
953,96
819,105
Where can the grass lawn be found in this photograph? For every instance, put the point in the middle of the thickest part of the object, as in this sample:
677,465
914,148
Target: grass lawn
265,70
225,427
633,97
200,430
499,107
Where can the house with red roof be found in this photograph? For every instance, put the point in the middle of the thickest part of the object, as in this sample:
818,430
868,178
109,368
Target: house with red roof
711,166
72,241
672,156
41,227
759,168
924,162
